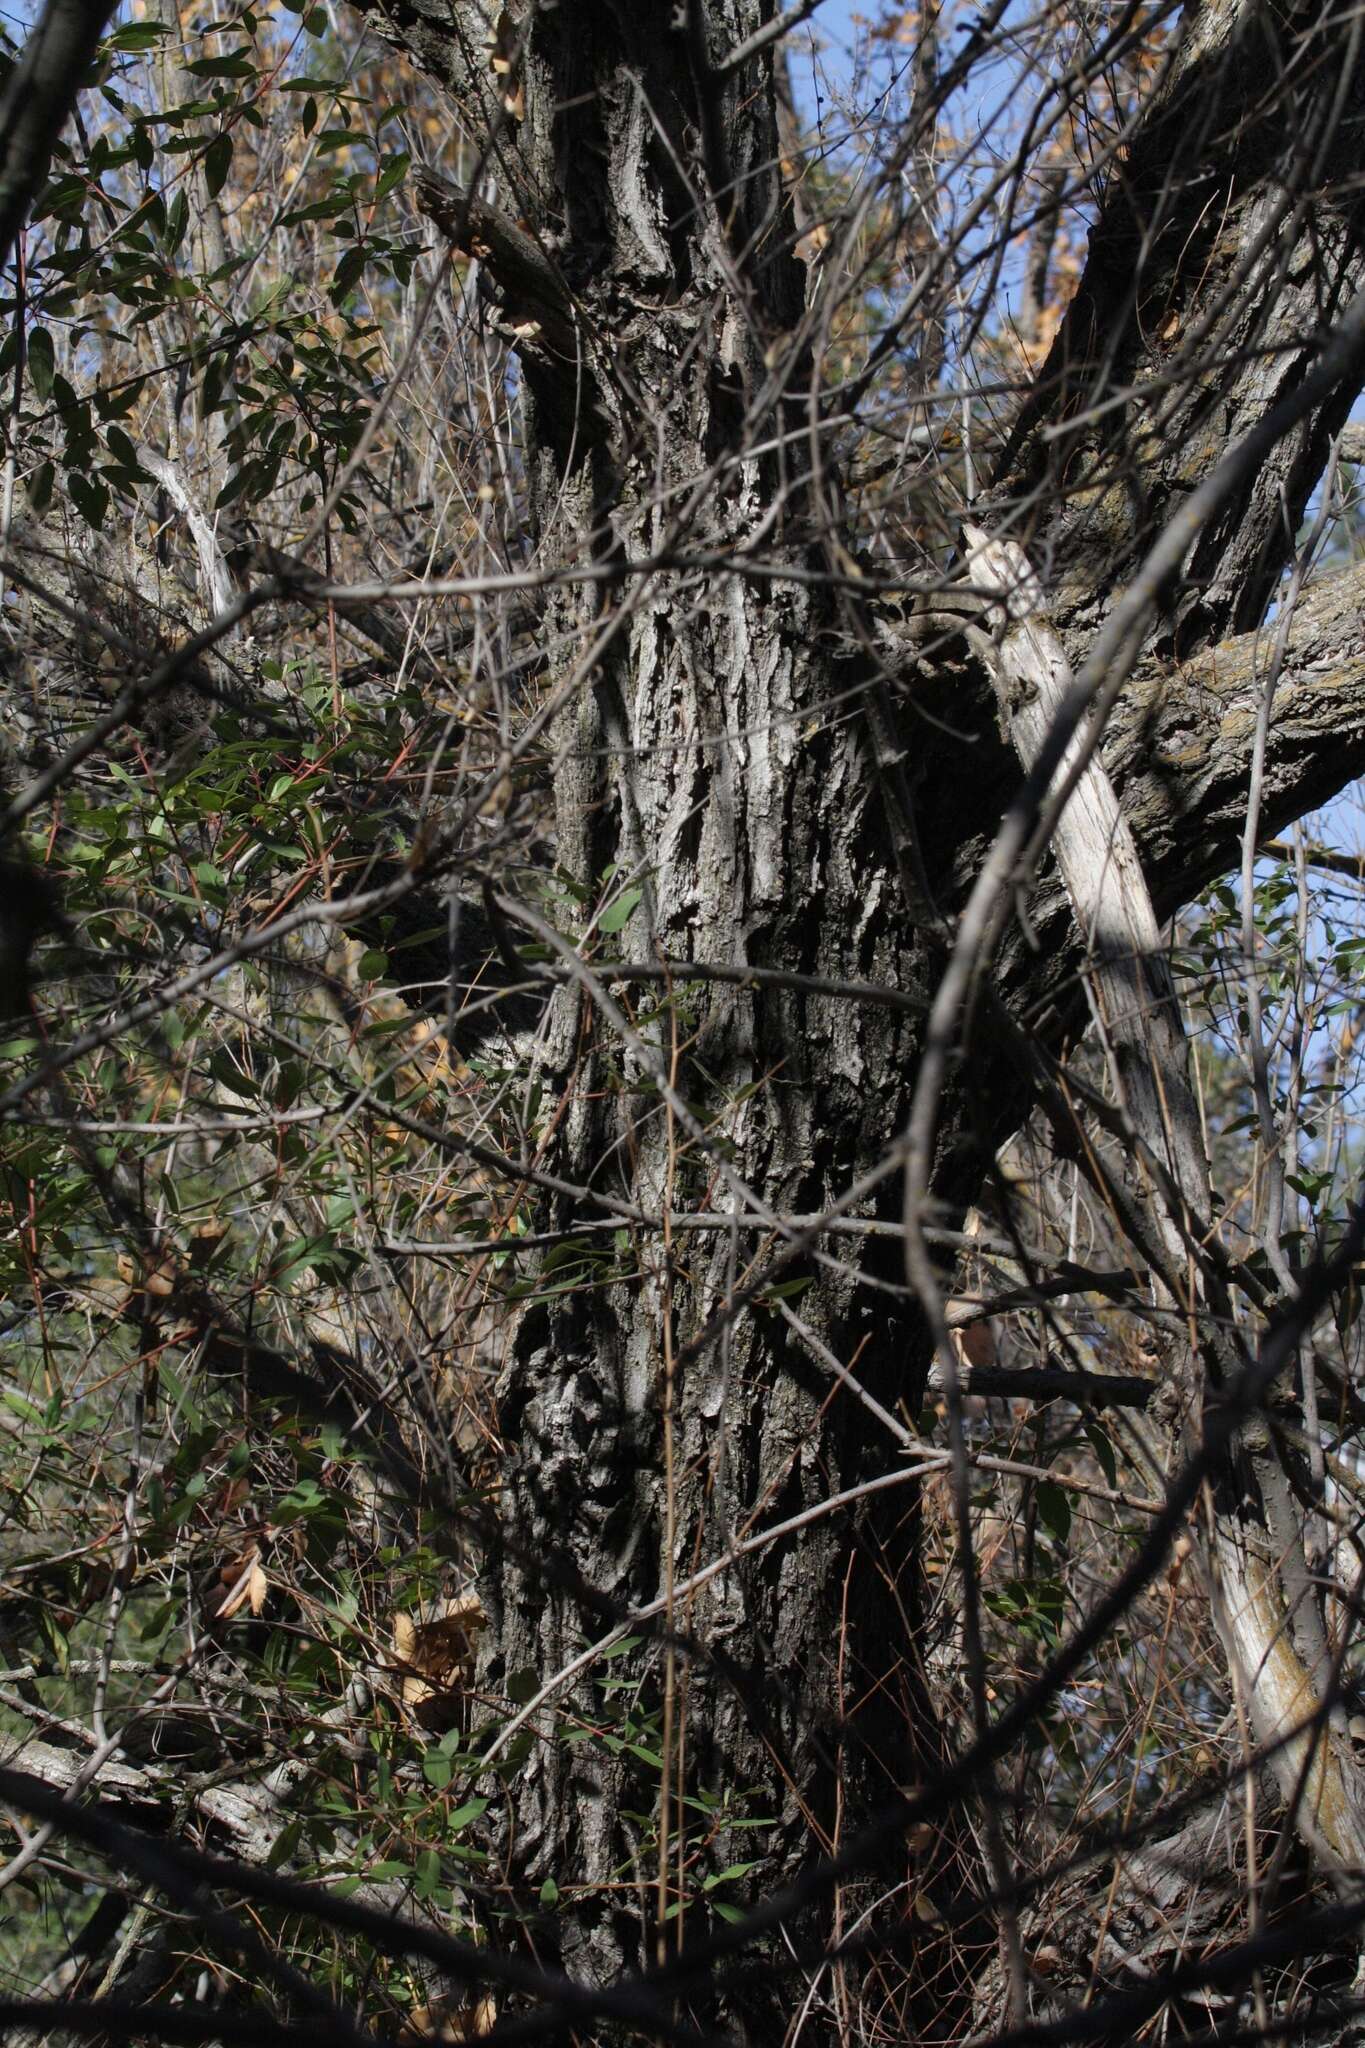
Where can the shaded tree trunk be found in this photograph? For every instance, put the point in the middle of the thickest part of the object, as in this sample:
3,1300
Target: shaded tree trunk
704,759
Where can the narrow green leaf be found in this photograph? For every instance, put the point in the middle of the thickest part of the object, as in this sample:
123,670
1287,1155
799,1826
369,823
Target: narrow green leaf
41,361
40,486
138,35
348,271
90,497
217,163
1104,1451
473,1809
1055,1509
392,174
235,66
284,1845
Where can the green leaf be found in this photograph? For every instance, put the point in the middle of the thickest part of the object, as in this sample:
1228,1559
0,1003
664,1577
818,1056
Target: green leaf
177,221
217,163
39,487
61,194
1104,1451
89,496
284,1845
473,1809
159,1620
138,35
1055,1508
392,174
437,1770
121,448
235,66
58,1647
42,362
235,485
216,378
617,914
307,1498
786,1290
347,271
549,1893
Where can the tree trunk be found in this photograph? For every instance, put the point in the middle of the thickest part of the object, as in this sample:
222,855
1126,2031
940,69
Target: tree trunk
705,758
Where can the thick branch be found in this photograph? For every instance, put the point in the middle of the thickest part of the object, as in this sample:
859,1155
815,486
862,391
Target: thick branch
40,94
1227,242
1178,749
1179,746
535,297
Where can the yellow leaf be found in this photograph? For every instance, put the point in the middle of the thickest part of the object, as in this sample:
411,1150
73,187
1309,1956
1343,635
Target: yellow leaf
242,1581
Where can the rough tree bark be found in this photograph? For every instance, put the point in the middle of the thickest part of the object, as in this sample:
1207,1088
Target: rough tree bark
640,250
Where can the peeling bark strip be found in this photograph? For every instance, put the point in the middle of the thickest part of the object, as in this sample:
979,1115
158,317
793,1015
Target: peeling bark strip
1259,1569
1131,995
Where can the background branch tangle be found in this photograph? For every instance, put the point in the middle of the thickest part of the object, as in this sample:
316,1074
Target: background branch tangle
681,1109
